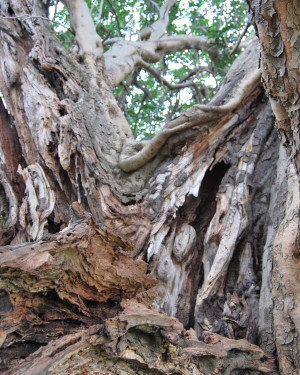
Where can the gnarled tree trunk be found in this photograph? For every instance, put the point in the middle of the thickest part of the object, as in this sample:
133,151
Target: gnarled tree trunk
177,255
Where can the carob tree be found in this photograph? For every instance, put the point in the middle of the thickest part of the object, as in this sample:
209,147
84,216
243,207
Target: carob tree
175,255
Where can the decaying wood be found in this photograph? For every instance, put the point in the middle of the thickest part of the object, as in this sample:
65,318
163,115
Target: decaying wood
201,223
80,275
142,341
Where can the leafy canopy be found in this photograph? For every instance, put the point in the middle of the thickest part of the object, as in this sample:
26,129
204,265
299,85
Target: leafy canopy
145,100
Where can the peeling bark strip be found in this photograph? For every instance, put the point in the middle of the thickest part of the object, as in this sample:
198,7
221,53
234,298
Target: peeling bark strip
38,203
9,206
278,25
285,290
200,223
278,29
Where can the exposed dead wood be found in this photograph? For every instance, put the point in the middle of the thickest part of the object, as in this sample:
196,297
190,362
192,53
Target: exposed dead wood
142,341
79,275
204,227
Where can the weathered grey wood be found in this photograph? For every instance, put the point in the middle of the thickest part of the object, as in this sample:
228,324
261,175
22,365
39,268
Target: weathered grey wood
102,236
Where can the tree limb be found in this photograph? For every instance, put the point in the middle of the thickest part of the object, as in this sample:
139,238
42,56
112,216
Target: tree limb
158,28
194,72
147,150
155,4
124,55
241,92
86,36
196,115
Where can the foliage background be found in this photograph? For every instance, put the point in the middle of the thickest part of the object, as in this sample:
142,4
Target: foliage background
146,102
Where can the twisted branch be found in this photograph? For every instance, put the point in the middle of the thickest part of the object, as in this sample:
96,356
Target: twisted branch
196,115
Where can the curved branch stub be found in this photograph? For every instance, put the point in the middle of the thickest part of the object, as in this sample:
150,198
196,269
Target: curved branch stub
184,241
38,203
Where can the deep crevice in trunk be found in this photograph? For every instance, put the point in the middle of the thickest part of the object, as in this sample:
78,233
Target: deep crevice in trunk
198,212
11,148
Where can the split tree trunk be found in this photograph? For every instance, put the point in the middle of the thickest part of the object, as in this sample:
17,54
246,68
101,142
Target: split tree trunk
93,258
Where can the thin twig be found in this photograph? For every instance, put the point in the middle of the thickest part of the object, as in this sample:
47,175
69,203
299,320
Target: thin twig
92,8
144,89
130,81
175,107
115,13
197,94
100,10
240,39
137,116
55,11
162,80
195,72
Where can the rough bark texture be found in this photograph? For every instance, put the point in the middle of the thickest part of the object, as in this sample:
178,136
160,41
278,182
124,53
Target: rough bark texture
278,25
186,264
